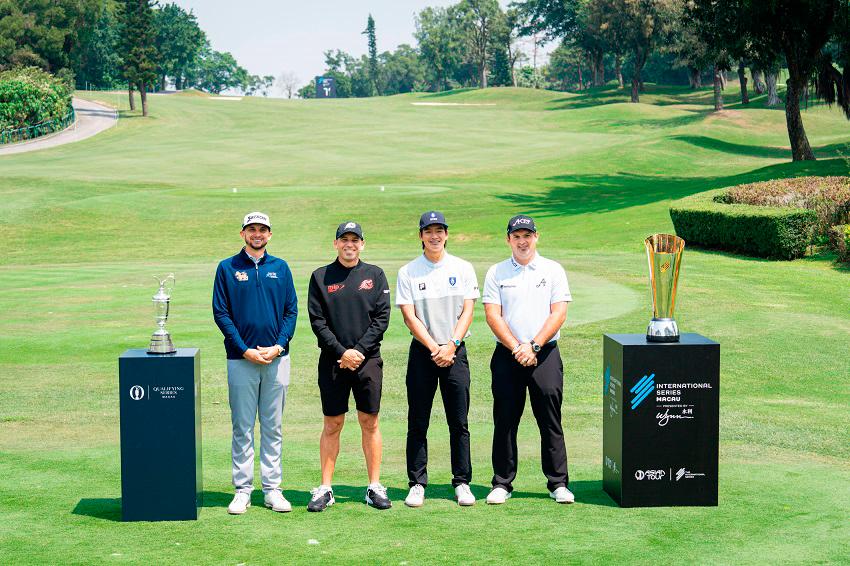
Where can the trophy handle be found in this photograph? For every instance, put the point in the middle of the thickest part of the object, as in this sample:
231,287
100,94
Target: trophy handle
163,283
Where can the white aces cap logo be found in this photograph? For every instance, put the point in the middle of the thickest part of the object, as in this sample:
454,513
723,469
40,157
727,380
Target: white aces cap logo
137,393
519,221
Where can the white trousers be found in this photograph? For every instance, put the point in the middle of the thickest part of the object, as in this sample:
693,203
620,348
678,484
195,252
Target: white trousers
257,389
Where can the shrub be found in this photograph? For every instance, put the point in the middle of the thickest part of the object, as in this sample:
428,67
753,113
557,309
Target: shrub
30,96
764,231
839,240
829,197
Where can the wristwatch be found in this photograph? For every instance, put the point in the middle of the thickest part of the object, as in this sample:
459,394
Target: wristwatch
535,346
282,350
456,342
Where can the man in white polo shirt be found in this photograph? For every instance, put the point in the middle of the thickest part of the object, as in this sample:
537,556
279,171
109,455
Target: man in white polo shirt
436,293
525,300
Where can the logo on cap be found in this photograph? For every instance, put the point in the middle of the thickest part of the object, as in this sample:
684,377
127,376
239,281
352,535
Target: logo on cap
519,221
350,225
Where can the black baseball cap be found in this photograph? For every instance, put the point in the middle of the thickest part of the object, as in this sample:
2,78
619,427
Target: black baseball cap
349,228
432,217
521,222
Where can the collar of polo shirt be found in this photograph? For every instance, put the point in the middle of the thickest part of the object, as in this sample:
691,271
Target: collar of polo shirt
532,264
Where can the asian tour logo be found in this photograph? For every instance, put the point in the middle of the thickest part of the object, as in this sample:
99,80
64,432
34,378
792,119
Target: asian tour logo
642,389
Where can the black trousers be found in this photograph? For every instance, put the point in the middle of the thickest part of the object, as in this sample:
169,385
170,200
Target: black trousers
545,385
423,376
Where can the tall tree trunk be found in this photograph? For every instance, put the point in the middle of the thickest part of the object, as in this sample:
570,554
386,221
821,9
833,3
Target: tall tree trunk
695,77
800,148
130,93
770,80
483,78
722,79
143,94
718,89
618,68
742,78
637,82
758,82
162,82
598,68
580,80
178,82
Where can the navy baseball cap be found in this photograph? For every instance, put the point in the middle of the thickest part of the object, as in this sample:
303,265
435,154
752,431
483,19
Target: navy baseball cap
521,222
349,228
432,217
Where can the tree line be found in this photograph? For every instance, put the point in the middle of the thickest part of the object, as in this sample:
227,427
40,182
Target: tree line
476,43
135,44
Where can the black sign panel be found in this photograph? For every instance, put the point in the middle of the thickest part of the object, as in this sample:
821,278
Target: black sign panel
160,400
660,420
325,87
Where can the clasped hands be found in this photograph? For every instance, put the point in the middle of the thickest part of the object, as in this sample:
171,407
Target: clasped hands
444,356
351,359
525,355
263,355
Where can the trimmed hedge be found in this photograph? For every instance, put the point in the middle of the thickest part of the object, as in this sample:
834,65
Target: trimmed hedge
30,96
839,240
705,220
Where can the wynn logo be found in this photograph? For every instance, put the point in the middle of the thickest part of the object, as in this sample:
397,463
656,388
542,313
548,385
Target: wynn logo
642,389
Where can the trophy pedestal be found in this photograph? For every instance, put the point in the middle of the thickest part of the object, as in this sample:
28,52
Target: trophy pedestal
160,398
660,422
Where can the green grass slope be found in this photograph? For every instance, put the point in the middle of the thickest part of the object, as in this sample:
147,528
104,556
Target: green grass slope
86,225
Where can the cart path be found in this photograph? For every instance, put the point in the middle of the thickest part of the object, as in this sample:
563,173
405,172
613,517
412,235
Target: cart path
92,118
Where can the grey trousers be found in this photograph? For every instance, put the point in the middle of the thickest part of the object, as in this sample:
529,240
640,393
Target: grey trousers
253,389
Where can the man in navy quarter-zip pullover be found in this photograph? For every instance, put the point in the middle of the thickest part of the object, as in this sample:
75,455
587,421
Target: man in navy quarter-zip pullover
255,308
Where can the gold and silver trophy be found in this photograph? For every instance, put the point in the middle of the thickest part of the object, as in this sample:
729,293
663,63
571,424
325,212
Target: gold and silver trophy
664,253
161,339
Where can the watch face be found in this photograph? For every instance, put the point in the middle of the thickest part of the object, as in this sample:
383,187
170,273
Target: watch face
536,347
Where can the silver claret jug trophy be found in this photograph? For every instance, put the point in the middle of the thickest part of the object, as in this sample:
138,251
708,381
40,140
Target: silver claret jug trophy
664,253
161,339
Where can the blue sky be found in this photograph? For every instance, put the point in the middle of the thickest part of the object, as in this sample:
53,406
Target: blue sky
269,37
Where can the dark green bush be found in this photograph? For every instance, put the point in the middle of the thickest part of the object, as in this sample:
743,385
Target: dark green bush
839,240
705,220
30,96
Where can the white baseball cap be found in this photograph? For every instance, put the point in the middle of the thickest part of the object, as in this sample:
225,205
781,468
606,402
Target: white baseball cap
256,218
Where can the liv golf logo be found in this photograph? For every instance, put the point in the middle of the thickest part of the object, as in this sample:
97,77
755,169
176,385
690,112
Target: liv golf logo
642,389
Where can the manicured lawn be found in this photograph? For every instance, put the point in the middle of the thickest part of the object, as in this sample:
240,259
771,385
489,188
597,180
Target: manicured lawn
85,226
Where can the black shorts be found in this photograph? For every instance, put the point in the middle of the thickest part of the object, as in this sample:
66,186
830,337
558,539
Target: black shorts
336,383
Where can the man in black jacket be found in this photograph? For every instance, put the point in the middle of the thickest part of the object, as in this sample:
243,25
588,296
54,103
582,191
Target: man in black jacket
349,306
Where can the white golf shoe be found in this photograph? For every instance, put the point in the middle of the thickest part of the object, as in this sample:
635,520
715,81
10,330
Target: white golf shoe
464,495
498,496
416,496
275,501
562,495
240,503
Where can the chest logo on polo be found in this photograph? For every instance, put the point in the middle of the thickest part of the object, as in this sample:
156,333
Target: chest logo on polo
452,281
365,285
335,287
271,275
241,276
422,286
542,283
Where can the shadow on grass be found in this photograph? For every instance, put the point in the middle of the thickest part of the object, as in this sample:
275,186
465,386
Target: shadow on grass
586,492
108,509
568,195
713,144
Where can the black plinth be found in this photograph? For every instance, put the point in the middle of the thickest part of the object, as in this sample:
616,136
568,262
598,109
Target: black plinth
660,420
160,435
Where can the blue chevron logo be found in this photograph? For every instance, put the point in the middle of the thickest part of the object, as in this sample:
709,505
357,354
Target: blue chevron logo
642,389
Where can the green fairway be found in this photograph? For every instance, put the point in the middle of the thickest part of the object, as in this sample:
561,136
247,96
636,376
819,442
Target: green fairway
87,225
